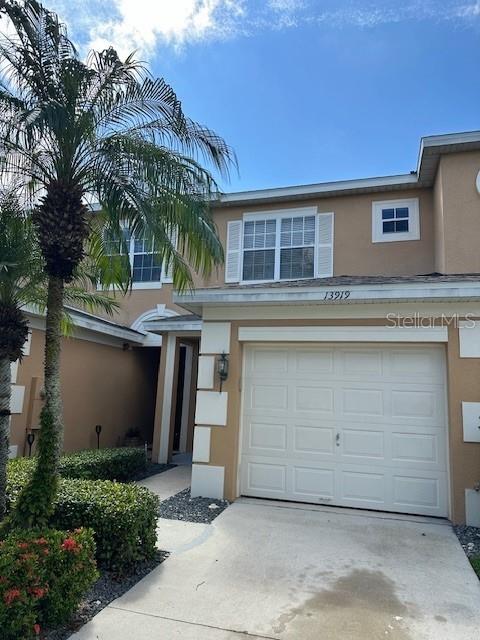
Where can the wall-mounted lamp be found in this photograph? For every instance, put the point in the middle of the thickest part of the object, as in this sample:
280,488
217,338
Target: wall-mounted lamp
222,368
98,431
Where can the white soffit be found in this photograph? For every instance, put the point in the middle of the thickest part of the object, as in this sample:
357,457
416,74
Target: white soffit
342,334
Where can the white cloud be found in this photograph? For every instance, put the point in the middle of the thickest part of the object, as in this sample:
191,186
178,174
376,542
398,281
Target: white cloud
144,24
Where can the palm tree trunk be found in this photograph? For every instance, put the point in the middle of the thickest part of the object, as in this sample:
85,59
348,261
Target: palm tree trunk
5,396
53,334
35,504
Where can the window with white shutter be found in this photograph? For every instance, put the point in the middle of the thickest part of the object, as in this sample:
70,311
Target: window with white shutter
290,244
233,258
324,245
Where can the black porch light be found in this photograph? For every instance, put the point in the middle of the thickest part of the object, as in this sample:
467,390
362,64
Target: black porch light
222,368
98,431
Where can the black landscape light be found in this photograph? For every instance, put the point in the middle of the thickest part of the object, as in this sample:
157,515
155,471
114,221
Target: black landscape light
30,441
98,431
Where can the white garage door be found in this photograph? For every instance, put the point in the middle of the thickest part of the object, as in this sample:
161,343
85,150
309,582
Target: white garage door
358,426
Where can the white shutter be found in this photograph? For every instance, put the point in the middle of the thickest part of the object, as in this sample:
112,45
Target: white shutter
168,269
324,258
233,258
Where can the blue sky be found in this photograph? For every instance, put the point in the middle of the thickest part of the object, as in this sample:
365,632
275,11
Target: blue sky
304,90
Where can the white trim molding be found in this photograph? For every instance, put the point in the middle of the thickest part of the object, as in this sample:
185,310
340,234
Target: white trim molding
330,295
167,400
207,481
211,408
469,338
16,402
343,334
471,421
206,372
215,337
472,507
201,444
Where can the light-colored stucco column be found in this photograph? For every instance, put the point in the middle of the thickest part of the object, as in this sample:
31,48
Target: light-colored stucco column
165,402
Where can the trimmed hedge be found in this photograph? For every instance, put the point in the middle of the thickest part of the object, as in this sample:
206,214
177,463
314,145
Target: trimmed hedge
122,464
122,516
43,576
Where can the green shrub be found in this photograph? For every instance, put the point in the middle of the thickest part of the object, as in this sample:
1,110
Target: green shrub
43,576
122,516
121,464
475,562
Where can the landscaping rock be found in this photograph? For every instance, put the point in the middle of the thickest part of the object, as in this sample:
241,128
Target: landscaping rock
182,507
469,538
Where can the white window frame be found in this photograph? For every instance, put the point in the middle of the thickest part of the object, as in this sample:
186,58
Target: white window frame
413,232
150,284
278,215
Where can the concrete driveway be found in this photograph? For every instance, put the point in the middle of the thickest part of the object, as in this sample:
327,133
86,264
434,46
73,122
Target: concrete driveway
298,572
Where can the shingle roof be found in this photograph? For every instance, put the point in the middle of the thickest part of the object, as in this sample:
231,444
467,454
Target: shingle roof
357,280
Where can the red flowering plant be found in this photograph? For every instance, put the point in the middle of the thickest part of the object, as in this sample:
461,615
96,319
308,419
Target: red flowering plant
43,576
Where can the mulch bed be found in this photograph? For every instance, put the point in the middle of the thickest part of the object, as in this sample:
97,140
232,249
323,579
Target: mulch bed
182,507
107,588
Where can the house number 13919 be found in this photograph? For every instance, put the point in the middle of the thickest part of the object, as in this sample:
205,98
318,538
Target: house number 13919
337,295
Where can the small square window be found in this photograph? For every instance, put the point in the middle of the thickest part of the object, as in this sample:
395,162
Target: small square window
395,220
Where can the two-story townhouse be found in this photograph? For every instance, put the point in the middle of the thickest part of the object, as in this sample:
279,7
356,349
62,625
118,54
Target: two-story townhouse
338,352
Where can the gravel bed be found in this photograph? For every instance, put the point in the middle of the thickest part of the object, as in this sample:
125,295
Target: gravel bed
469,538
182,507
152,469
108,587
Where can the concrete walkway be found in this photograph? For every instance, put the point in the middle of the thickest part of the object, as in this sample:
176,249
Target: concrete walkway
285,572
169,482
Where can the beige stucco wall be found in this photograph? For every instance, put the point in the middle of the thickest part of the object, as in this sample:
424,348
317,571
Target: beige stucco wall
138,301
457,213
354,252
463,385
101,384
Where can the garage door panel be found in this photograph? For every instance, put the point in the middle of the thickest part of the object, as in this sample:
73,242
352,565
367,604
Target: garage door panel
365,428
273,362
356,363
419,449
363,486
312,440
362,402
363,443
317,363
268,436
426,365
265,478
268,397
312,482
310,398
420,493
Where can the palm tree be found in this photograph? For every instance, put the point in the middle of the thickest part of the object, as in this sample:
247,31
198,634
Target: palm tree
102,129
23,283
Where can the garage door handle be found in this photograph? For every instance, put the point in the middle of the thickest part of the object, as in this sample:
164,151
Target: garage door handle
337,439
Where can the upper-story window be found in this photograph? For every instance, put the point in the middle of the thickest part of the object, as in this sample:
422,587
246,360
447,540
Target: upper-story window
145,262
281,245
394,220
